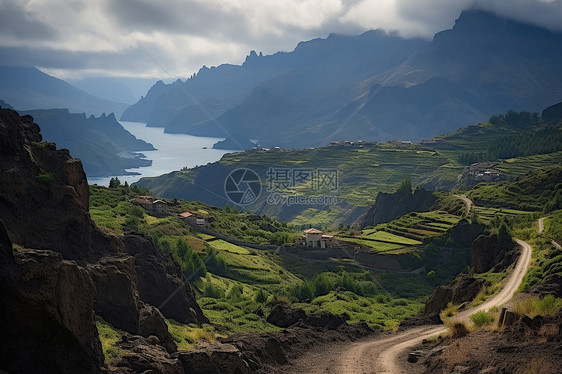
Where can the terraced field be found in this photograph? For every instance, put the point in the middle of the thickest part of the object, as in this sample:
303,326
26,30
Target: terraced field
486,214
404,234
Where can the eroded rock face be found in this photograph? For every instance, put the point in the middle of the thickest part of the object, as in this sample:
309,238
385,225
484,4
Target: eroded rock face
214,359
47,318
48,300
390,206
151,322
461,291
44,193
282,315
161,282
145,355
117,299
488,251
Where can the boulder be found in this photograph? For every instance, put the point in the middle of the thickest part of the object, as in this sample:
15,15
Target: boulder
458,292
438,299
216,358
145,355
466,289
282,315
151,322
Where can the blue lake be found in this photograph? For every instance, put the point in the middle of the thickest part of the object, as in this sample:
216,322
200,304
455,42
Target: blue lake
174,151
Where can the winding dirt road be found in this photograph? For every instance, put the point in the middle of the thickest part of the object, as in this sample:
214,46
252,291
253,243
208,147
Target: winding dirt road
467,201
380,355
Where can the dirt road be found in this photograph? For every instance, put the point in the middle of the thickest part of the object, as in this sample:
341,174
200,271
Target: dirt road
541,225
467,201
380,355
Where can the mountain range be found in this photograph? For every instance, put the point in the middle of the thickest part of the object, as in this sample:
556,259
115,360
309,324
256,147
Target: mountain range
27,88
375,86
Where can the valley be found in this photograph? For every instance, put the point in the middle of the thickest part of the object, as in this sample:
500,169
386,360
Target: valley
349,200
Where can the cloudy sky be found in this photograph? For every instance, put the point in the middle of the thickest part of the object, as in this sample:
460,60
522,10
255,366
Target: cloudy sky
145,38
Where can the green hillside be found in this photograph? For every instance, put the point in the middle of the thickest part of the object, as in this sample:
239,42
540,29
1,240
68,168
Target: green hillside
365,169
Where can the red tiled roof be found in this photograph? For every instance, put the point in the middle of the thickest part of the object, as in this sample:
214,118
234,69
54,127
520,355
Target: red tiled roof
186,214
312,231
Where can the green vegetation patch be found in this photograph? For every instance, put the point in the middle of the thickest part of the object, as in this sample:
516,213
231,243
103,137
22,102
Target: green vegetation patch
187,336
482,318
109,336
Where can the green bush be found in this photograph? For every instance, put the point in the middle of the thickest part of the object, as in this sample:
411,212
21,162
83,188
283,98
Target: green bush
46,178
481,318
210,290
235,292
260,297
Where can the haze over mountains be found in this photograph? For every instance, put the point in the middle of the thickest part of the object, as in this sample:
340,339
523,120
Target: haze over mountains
372,87
27,88
103,145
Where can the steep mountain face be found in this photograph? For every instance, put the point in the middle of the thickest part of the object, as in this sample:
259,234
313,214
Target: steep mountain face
312,81
64,268
28,88
390,206
484,65
102,144
370,87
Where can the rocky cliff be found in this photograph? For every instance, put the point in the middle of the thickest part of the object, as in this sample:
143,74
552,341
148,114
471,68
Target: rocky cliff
64,269
390,206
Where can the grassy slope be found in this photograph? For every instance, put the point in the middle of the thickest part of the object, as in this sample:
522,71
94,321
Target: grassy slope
236,298
364,171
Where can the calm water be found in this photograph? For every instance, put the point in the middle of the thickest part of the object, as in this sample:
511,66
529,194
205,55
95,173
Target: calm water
174,151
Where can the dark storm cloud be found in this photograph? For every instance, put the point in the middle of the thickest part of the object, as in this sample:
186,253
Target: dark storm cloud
127,36
15,23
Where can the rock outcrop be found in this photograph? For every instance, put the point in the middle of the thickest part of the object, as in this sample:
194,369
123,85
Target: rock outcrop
47,318
145,355
458,292
390,206
44,193
282,315
489,251
65,268
161,282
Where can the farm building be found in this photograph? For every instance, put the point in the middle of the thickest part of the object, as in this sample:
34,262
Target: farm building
316,239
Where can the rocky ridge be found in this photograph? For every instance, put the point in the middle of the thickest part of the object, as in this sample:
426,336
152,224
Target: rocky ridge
58,269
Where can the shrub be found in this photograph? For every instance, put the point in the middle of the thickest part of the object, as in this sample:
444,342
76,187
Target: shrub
235,292
546,306
481,318
260,297
210,290
46,178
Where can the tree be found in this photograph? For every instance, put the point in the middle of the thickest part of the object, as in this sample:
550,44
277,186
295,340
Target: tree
182,247
114,182
504,235
406,186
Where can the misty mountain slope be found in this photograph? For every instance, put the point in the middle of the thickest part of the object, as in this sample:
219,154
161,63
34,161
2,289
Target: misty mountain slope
29,88
225,82
101,143
383,87
321,74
